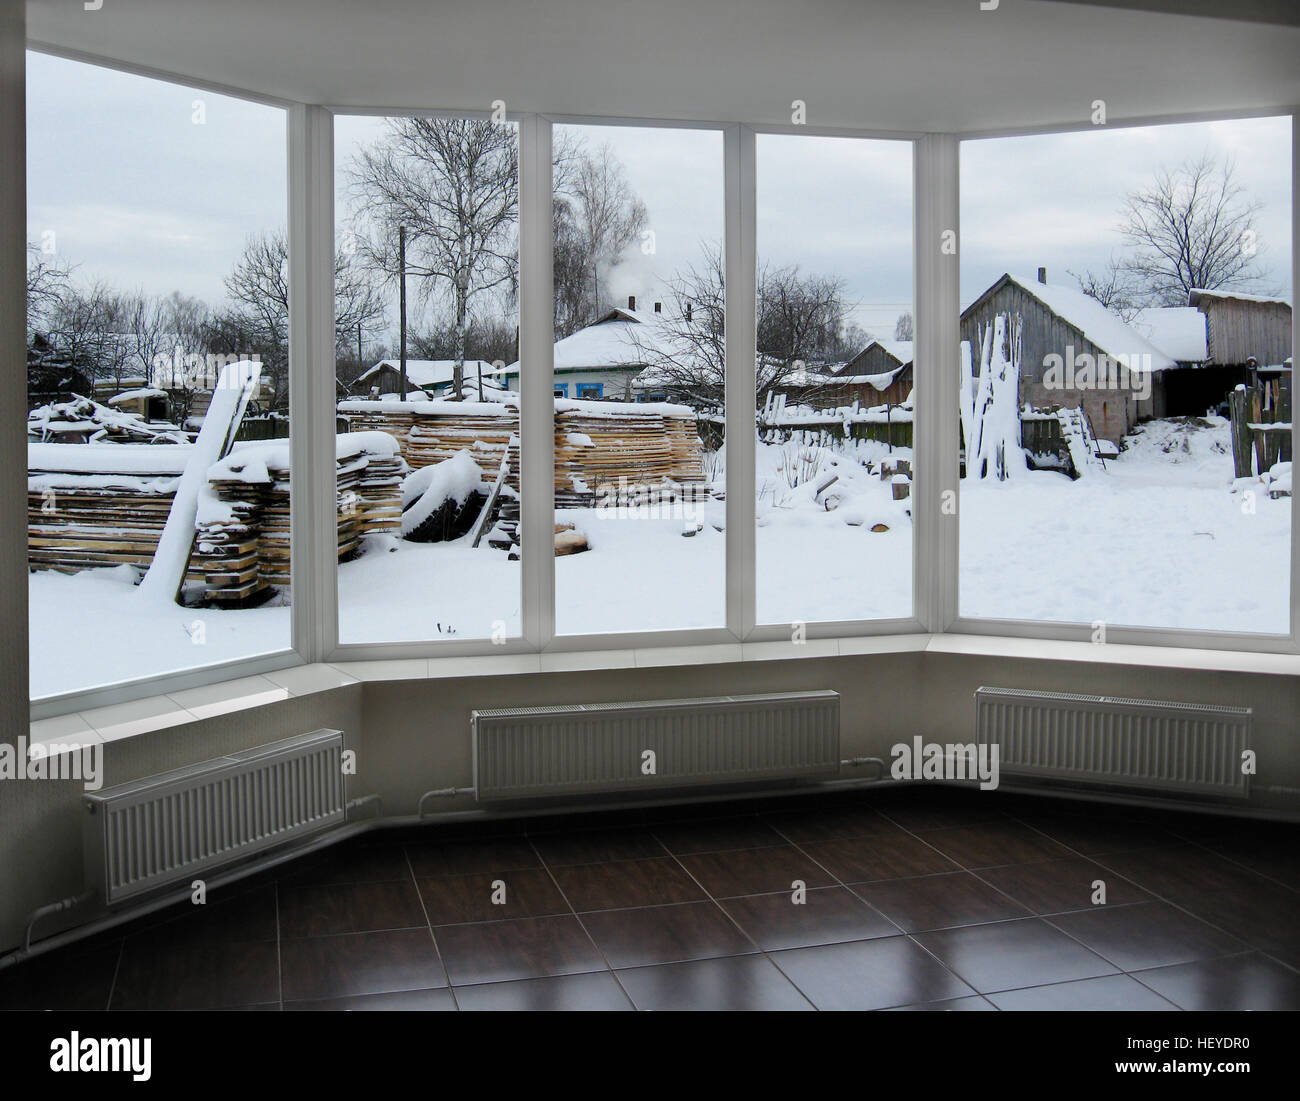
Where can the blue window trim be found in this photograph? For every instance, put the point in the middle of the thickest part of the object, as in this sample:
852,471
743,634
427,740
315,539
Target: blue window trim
561,389
589,389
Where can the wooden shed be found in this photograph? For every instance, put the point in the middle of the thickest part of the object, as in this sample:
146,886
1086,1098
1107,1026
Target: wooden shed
1063,321
1243,326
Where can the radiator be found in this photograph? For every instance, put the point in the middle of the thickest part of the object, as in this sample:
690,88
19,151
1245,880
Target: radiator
170,827
1183,748
532,752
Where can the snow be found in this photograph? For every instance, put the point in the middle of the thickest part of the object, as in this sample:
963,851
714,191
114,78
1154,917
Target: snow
1160,538
135,395
1198,293
1178,331
108,458
619,339
425,491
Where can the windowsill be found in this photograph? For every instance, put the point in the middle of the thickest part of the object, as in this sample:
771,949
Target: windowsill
102,725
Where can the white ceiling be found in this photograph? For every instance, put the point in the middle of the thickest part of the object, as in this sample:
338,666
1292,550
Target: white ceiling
911,65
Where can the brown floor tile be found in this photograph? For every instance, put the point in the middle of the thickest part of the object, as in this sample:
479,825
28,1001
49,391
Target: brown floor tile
884,856
1100,833
492,854
627,883
455,899
1150,934
717,835
755,871
400,1001
1007,955
1246,982
1059,886
349,908
735,984
359,963
828,915
559,850
360,861
1110,993
65,978
938,901
992,844
163,976
594,992
245,916
665,934
873,974
830,824
525,948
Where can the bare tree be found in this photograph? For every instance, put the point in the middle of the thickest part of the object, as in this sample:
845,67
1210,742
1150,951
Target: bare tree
597,218
80,329
904,327
1192,227
799,323
1113,287
453,185
259,286
47,283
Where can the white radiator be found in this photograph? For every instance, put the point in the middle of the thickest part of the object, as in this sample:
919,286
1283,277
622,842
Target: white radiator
532,752
172,826
1185,748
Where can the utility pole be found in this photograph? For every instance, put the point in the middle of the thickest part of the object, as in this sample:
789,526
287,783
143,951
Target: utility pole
401,268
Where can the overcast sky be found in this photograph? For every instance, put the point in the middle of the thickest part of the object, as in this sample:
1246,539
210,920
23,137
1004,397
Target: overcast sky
140,194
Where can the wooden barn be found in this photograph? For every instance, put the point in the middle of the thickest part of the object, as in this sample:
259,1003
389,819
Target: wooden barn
1063,321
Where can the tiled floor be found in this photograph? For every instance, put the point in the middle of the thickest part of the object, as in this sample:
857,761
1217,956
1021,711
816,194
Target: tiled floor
917,898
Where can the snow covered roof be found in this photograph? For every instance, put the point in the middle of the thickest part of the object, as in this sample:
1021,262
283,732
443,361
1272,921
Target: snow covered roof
901,350
1179,331
1197,294
618,339
1106,330
428,372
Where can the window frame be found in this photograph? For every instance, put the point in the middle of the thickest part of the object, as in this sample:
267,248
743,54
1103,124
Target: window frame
936,307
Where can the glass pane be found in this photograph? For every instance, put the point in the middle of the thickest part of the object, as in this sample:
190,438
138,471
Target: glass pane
426,297
157,372
835,379
1126,379
639,379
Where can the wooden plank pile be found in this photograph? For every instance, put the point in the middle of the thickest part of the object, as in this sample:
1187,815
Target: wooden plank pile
80,518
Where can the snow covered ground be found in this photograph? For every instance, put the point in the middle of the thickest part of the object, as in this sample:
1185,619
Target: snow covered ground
1160,538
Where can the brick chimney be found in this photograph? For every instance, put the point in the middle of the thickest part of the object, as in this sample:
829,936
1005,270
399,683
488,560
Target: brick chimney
659,307
688,311
1042,276
631,302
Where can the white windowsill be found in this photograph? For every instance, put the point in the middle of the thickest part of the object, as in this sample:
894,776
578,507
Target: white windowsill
143,716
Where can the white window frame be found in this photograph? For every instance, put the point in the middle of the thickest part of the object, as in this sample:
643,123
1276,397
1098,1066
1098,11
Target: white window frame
936,308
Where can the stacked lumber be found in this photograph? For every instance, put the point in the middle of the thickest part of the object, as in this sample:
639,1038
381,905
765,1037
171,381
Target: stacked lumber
106,505
98,506
596,443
